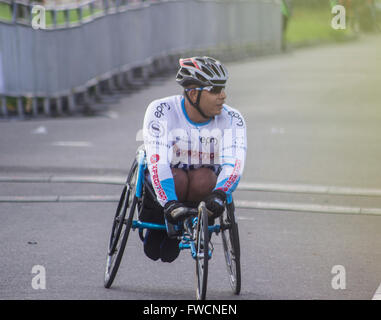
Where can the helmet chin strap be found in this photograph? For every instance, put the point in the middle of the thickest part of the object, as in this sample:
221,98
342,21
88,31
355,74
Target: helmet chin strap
197,104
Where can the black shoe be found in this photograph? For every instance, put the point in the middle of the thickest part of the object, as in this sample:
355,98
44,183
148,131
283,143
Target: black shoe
152,243
169,249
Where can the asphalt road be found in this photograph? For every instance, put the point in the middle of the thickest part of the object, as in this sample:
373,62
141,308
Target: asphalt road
313,118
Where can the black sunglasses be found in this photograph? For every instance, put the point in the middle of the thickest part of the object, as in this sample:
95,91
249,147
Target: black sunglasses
211,89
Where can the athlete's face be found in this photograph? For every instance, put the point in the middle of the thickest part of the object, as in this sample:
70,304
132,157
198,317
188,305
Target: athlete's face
211,100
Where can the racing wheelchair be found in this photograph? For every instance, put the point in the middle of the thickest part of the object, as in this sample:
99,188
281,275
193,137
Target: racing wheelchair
194,230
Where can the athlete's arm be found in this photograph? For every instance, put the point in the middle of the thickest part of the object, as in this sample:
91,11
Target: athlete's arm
233,154
158,151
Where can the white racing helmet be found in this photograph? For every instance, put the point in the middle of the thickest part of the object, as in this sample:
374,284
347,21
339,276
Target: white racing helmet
202,71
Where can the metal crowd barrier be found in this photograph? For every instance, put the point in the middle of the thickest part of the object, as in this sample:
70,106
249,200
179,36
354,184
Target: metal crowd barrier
92,48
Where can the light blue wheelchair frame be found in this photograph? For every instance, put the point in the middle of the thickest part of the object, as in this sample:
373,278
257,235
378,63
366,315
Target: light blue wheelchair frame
194,229
187,242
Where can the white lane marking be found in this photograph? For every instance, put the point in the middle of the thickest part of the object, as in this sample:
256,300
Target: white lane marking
305,207
72,144
65,179
238,203
243,186
88,179
90,198
28,199
40,130
377,295
245,218
315,189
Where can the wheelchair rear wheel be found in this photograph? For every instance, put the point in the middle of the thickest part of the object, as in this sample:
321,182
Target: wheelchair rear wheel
121,227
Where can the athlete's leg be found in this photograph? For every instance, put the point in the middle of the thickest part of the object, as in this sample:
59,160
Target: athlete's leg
181,183
202,181
156,242
152,210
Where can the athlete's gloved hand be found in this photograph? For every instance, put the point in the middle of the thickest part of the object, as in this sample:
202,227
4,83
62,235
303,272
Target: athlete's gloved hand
215,203
174,211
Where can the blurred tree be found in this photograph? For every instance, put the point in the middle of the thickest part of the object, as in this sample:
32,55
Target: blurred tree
286,15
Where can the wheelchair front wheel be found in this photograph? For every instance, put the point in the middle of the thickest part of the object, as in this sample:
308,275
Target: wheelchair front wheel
202,252
231,246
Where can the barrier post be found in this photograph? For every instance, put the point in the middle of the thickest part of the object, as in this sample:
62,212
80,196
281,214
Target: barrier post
3,104
71,103
20,107
14,11
47,106
59,105
34,107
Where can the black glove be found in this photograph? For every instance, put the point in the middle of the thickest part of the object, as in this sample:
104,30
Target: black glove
174,211
215,202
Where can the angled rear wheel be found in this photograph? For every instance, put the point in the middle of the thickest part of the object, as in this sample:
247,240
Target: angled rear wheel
121,227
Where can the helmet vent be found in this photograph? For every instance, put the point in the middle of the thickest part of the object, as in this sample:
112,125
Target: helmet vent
185,71
216,71
200,77
207,72
222,70
202,61
188,63
218,82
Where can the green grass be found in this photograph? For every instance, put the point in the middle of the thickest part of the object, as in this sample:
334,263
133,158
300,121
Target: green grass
73,16
5,12
312,25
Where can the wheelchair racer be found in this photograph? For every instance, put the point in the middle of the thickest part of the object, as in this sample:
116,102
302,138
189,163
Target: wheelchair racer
195,147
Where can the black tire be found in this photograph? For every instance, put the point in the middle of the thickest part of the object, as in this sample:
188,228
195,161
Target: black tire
121,227
119,216
231,246
202,257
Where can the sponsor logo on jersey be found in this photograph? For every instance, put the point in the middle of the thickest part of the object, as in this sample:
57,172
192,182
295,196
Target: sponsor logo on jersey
237,116
154,158
233,177
208,140
193,156
160,109
156,183
156,129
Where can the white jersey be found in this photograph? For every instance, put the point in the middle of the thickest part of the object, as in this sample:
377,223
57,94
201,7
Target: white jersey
172,140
